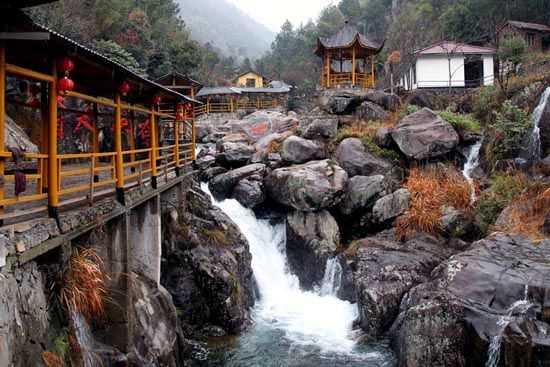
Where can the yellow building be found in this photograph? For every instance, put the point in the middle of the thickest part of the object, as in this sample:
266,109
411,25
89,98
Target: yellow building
251,79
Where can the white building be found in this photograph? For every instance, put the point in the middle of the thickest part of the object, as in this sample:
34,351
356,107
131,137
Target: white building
460,64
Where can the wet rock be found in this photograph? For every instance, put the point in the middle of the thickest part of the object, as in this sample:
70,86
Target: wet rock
545,166
249,193
213,137
203,129
299,150
391,206
222,185
205,162
383,138
451,319
322,128
211,172
206,264
260,124
422,98
361,192
356,160
424,135
312,238
308,187
234,154
546,225
379,272
15,137
274,161
370,111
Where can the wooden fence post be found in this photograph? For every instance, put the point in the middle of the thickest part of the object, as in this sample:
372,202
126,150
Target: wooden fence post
53,168
119,165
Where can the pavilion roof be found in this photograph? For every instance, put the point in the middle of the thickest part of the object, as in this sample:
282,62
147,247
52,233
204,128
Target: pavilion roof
346,38
167,79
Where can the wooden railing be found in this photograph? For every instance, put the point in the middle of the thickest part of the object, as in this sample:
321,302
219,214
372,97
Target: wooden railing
229,107
363,80
56,179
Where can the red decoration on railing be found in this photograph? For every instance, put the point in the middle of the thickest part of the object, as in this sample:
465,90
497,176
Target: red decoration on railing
65,85
189,109
83,121
144,132
60,119
156,100
65,65
179,112
124,88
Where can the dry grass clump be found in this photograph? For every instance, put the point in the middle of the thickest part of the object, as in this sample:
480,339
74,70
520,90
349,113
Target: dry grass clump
82,284
274,146
52,360
526,215
430,190
214,236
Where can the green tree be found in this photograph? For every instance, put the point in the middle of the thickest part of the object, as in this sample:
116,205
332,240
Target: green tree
513,49
116,53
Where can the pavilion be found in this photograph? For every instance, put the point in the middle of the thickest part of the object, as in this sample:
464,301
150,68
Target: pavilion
348,59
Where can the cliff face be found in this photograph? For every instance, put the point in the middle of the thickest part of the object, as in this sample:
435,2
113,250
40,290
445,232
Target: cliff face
206,265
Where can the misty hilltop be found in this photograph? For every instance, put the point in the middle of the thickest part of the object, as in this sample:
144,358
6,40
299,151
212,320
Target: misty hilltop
226,27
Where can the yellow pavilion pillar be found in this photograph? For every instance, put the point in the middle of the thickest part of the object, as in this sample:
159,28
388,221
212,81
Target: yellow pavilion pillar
119,159
328,69
353,66
154,150
372,71
53,183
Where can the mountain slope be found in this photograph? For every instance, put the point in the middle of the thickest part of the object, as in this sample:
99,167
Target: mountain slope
226,26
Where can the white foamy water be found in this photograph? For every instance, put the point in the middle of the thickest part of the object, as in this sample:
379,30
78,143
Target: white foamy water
472,162
534,140
520,306
307,318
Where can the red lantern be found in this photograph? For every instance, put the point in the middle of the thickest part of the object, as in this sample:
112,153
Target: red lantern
179,115
66,65
65,85
124,88
156,99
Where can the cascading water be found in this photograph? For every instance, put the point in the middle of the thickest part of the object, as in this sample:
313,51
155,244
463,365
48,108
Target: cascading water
332,278
84,338
533,148
472,162
294,326
520,306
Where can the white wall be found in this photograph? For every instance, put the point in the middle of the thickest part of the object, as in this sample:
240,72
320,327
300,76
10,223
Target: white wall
488,70
432,71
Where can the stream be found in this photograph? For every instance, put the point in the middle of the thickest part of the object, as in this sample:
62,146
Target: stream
293,327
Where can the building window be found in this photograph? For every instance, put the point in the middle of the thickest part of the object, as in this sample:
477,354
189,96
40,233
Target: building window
250,82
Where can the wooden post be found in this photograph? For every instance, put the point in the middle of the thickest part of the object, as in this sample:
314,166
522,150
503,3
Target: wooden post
372,71
231,101
53,168
328,69
119,165
42,184
193,138
177,141
153,149
2,116
95,139
353,67
131,138
341,65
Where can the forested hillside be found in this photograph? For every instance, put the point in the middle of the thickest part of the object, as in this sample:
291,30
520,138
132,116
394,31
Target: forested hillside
405,24
226,27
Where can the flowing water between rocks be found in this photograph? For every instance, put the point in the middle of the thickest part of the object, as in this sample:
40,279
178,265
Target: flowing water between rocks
472,162
533,148
293,327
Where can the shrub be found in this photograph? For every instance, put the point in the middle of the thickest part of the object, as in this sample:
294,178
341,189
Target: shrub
513,49
430,190
511,125
504,188
485,102
407,110
462,122
82,284
274,146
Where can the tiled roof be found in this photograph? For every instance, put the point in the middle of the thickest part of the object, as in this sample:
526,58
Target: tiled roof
345,38
445,47
532,26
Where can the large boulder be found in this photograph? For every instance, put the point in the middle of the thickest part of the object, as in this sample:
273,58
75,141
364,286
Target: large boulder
298,150
234,154
341,102
15,137
360,192
222,185
391,206
267,142
422,98
322,128
378,272
388,101
206,264
262,123
494,293
312,238
425,135
249,193
370,111
356,160
308,187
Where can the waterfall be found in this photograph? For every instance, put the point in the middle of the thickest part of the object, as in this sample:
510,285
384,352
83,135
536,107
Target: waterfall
533,149
472,162
503,321
332,278
317,320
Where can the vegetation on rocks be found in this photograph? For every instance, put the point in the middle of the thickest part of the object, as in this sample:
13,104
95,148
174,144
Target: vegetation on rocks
432,188
461,122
